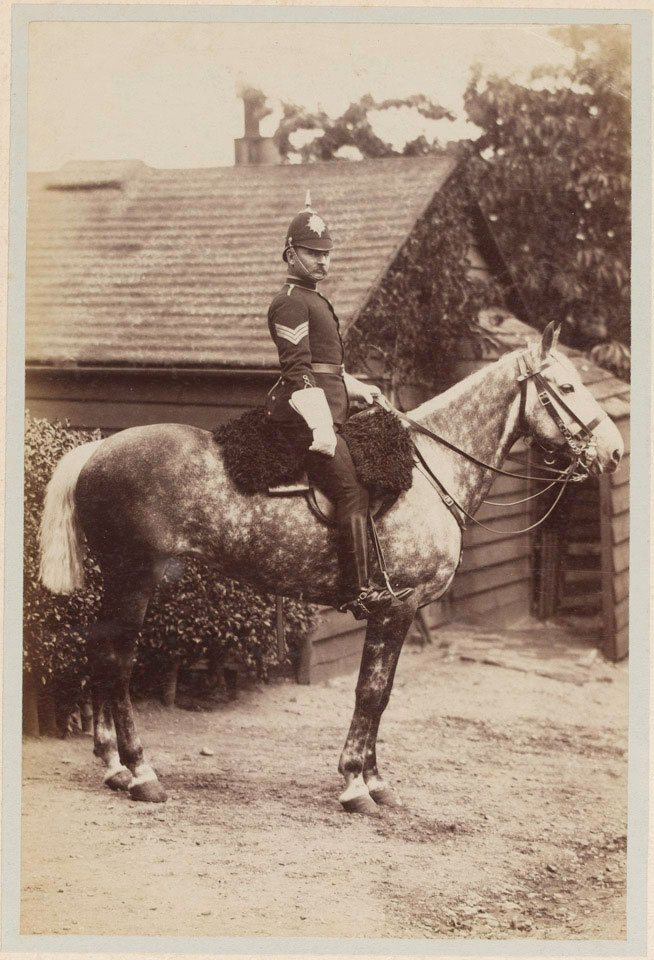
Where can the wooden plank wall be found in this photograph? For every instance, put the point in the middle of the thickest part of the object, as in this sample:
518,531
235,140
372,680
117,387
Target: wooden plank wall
614,525
577,522
493,583
334,648
113,399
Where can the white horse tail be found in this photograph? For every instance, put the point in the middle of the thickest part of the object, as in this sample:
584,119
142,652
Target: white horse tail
60,534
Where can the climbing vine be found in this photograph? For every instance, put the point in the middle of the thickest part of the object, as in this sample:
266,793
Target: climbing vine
425,312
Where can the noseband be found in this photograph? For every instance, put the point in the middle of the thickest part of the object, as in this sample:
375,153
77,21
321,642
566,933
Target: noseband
582,444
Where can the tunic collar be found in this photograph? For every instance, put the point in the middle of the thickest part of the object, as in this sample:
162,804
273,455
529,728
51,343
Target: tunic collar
298,282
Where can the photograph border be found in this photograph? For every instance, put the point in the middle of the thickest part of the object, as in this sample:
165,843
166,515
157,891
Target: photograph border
640,490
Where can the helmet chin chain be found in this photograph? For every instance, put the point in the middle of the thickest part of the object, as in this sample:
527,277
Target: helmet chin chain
298,263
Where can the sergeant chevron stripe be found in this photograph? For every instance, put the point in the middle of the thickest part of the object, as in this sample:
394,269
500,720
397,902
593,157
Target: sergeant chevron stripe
292,334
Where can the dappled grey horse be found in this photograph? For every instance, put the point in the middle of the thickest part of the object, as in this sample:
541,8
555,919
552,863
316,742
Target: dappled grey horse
151,493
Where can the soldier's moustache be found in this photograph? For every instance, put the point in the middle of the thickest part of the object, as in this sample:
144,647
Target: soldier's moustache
297,260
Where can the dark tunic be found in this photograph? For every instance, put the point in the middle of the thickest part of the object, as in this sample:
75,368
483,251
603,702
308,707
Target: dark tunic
305,329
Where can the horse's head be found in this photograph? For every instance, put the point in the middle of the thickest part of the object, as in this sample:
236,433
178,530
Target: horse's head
558,411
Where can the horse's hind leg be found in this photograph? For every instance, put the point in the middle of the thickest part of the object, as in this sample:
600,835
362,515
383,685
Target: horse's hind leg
128,588
116,776
358,763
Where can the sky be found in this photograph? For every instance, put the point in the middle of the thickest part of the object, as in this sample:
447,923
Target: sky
165,93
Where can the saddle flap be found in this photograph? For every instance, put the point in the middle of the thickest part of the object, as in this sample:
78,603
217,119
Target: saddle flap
320,504
325,509
301,485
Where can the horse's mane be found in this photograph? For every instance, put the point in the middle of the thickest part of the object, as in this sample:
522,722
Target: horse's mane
443,401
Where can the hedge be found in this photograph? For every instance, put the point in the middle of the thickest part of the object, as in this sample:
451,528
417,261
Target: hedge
194,613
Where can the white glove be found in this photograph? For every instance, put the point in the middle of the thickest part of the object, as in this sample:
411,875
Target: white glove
324,441
356,390
312,406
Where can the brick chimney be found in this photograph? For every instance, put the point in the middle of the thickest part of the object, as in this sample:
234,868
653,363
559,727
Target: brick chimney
253,149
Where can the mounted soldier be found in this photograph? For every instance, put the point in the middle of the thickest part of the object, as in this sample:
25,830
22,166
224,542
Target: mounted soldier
311,399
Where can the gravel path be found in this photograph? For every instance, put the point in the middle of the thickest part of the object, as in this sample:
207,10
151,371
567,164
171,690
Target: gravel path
508,749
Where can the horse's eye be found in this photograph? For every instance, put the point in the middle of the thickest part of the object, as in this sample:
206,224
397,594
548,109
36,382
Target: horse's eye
567,388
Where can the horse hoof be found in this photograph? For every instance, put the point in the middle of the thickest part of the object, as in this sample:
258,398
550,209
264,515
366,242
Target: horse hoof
120,780
151,792
386,797
362,804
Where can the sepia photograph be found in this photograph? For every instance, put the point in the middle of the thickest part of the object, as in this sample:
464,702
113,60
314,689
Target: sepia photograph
327,455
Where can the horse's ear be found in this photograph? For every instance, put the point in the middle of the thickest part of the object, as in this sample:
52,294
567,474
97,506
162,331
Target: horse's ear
550,338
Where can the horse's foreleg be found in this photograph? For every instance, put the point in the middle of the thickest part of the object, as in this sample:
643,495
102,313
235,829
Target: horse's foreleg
378,789
127,594
358,763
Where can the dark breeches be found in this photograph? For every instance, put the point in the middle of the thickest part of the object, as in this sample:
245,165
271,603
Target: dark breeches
337,477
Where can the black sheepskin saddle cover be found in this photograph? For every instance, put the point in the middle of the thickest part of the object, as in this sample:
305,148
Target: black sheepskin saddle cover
258,453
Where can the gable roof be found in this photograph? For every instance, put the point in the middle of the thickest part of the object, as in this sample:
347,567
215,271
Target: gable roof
131,265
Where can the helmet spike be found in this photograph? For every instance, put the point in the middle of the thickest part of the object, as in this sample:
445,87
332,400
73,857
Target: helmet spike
307,200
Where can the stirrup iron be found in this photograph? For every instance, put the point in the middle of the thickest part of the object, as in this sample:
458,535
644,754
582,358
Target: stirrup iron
400,595
358,608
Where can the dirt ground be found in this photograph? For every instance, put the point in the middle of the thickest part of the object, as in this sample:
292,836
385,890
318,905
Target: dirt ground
508,749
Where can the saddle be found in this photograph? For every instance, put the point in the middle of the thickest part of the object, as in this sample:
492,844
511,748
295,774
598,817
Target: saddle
321,505
260,458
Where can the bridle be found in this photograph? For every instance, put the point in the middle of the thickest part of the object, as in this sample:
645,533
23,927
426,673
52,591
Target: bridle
581,447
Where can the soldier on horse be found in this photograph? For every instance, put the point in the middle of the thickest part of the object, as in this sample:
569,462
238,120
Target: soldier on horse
311,400
150,493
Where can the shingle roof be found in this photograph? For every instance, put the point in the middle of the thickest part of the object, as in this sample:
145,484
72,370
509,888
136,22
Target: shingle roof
132,265
509,333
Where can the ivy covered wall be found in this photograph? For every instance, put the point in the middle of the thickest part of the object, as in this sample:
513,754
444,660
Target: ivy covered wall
423,316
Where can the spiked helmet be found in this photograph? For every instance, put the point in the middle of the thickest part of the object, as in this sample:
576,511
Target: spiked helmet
307,229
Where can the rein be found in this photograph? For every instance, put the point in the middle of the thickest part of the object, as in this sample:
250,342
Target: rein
581,445
418,427
454,505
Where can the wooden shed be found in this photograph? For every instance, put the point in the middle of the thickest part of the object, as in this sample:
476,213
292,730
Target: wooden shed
147,289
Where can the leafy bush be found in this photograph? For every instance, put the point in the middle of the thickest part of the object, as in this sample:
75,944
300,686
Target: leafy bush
551,174
554,183
53,650
352,131
194,611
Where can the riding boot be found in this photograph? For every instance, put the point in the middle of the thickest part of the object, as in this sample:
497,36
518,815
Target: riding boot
369,598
